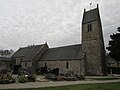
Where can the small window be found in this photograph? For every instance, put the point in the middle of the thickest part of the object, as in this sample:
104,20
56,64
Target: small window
45,65
89,27
67,65
25,64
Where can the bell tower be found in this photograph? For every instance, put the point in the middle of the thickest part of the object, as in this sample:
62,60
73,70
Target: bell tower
93,43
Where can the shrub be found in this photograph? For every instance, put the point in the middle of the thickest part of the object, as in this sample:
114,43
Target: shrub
22,79
4,81
12,80
32,78
6,78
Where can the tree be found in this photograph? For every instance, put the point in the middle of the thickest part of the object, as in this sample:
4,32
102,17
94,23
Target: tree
6,52
1,52
11,51
114,46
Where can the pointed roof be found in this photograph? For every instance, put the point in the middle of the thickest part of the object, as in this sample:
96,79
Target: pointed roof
71,52
91,15
28,52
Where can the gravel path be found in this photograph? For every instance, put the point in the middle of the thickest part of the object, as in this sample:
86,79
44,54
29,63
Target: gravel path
49,84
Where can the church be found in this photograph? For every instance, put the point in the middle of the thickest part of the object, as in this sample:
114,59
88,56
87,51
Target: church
87,58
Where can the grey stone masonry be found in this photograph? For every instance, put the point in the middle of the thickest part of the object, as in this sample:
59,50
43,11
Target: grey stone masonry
92,43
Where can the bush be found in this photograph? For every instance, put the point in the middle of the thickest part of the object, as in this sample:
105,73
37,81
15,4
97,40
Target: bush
6,78
4,81
32,78
12,80
22,79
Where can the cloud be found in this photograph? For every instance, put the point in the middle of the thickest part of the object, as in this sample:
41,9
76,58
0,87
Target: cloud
25,22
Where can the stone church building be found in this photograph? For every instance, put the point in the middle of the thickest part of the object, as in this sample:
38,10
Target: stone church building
87,58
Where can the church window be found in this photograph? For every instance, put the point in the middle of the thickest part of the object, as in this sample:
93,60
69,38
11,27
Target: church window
45,64
89,27
25,64
67,65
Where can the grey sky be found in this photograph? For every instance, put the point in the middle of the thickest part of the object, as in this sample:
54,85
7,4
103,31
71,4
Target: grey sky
58,22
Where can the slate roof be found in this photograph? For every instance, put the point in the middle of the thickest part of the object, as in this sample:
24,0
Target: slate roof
71,52
27,52
90,15
5,59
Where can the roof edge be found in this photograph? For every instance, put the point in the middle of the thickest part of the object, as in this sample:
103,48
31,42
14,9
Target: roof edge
65,46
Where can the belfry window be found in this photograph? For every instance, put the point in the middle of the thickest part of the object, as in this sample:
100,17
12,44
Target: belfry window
89,27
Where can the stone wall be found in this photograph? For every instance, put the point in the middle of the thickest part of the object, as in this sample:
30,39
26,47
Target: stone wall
4,64
26,64
93,46
23,63
74,65
18,61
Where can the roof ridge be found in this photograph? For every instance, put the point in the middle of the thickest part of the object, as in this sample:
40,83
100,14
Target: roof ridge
65,46
31,46
42,46
60,53
91,10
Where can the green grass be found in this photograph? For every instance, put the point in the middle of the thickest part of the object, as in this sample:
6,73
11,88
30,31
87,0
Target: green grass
103,78
103,86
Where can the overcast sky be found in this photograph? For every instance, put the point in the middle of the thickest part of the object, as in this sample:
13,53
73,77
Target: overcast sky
58,22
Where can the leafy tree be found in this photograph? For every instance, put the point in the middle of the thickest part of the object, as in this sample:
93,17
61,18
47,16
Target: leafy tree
114,46
11,51
6,52
1,52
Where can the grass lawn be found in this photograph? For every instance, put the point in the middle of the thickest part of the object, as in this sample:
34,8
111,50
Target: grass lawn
103,78
104,86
